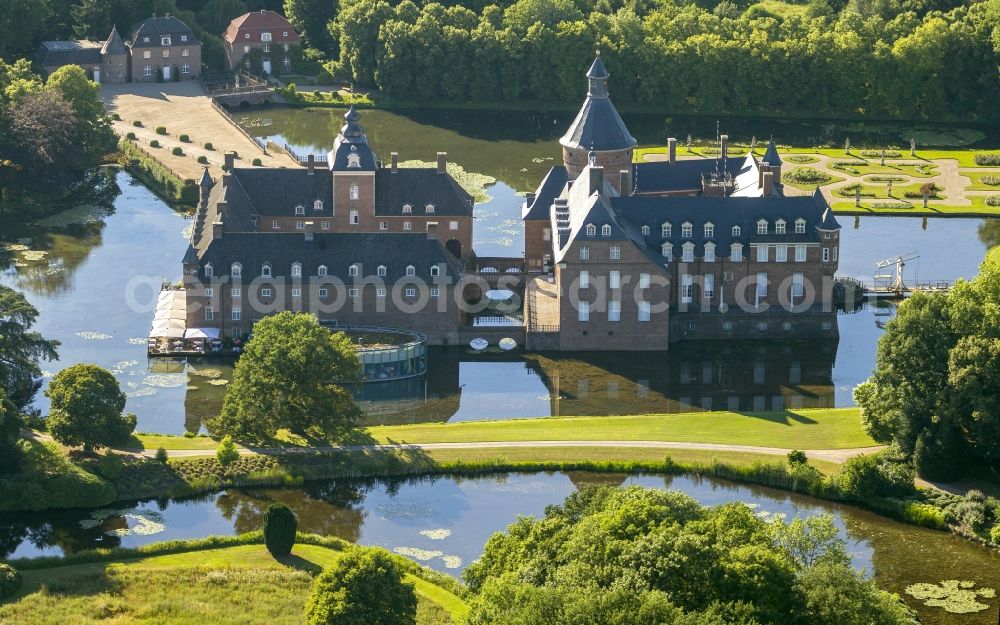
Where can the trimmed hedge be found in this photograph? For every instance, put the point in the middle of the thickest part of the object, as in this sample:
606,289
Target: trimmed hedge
161,180
184,139
279,529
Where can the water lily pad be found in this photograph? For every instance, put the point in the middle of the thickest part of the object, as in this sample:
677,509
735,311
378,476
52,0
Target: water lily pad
952,595
218,382
438,534
418,554
137,340
166,380
452,562
474,184
94,336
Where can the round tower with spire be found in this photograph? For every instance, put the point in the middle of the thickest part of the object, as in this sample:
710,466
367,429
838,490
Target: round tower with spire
598,133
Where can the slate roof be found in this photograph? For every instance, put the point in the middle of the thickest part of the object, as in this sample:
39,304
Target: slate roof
771,156
114,44
418,187
598,126
352,141
256,21
338,251
155,27
550,188
59,53
679,175
277,191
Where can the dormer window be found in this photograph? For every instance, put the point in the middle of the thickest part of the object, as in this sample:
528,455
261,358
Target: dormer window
321,271
209,271
762,226
736,231
800,226
296,270
145,39
265,271
667,249
591,230
645,231
709,230
411,270
353,271
381,270
666,229
284,34
709,253
300,210
236,270
687,255
779,226
687,230
184,37
318,205
435,271
407,209
165,40
429,209
736,253
246,36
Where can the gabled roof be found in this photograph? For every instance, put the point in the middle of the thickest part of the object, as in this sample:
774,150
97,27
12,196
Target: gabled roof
114,44
598,126
258,21
419,187
680,175
155,27
58,53
552,185
278,191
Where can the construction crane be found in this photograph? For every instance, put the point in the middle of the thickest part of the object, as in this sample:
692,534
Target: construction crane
888,279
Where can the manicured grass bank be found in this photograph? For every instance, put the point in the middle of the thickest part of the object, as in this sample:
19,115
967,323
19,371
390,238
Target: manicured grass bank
218,580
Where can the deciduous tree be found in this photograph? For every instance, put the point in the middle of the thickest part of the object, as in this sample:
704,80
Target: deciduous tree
87,406
364,587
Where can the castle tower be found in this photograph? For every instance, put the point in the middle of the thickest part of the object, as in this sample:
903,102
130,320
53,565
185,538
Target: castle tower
353,164
597,129
114,59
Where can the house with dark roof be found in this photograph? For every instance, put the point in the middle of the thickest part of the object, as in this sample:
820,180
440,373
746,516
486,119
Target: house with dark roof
641,254
262,42
104,62
354,242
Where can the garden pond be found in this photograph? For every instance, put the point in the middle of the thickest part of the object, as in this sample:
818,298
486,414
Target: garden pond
443,522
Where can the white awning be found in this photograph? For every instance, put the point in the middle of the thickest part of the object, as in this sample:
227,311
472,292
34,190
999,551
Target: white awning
167,332
201,333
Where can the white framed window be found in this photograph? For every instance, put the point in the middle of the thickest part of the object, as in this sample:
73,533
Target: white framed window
761,290
835,250
185,52
383,225
667,249
145,39
209,292
355,218
614,310
435,291
209,314
583,312
800,253
709,290
322,271
781,253
186,68
666,229
318,205
246,36
323,293
265,36
410,292
147,54
296,270
709,253
381,270
584,252
800,226
184,37
411,270
380,292
407,209
737,231
353,271
235,292
354,192
643,310
435,270
300,210
407,225
237,313
147,70
236,270
209,270
615,252
762,226
710,230
761,253
296,292
645,231
352,293
429,209
300,225
606,230
687,288
687,252
826,254
615,280
265,292
644,280
736,253
246,50
591,230
324,225
285,34
584,279
166,53
797,284
779,226
453,225
687,230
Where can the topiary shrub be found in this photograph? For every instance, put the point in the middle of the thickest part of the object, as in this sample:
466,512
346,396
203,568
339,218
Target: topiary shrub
203,160
880,153
137,124
987,160
364,586
161,130
258,163
226,453
177,151
130,136
279,528
10,580
154,143
993,181
162,456
184,139
209,146
993,200
116,117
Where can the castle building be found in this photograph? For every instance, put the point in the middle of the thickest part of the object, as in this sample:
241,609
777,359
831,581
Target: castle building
157,49
642,254
355,243
267,31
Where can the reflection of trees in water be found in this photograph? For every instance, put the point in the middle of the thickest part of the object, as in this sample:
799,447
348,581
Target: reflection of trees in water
329,508
581,479
989,232
53,529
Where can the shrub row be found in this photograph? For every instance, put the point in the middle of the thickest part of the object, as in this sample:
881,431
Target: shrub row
993,200
806,175
987,160
880,153
163,181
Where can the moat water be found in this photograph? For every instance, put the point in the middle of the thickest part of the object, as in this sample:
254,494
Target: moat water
444,522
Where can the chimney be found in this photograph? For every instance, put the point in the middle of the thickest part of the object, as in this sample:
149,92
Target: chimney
625,182
230,161
309,231
223,208
311,164
763,169
768,184
394,162
216,229
432,230
442,162
724,139
596,179
671,150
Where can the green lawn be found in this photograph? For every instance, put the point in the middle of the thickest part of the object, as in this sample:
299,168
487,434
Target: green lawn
232,585
878,190
977,184
830,178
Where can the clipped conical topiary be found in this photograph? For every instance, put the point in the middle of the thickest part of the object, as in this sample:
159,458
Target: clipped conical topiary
280,525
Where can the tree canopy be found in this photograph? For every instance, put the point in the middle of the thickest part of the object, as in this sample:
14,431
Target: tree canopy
609,556
21,349
935,391
364,587
290,376
87,406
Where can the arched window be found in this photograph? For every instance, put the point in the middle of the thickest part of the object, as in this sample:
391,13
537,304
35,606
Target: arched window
411,270
736,231
236,270
435,270
352,270
209,271
321,271
407,209
606,230
354,191
318,205
265,270
381,270
296,270
645,231
591,230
